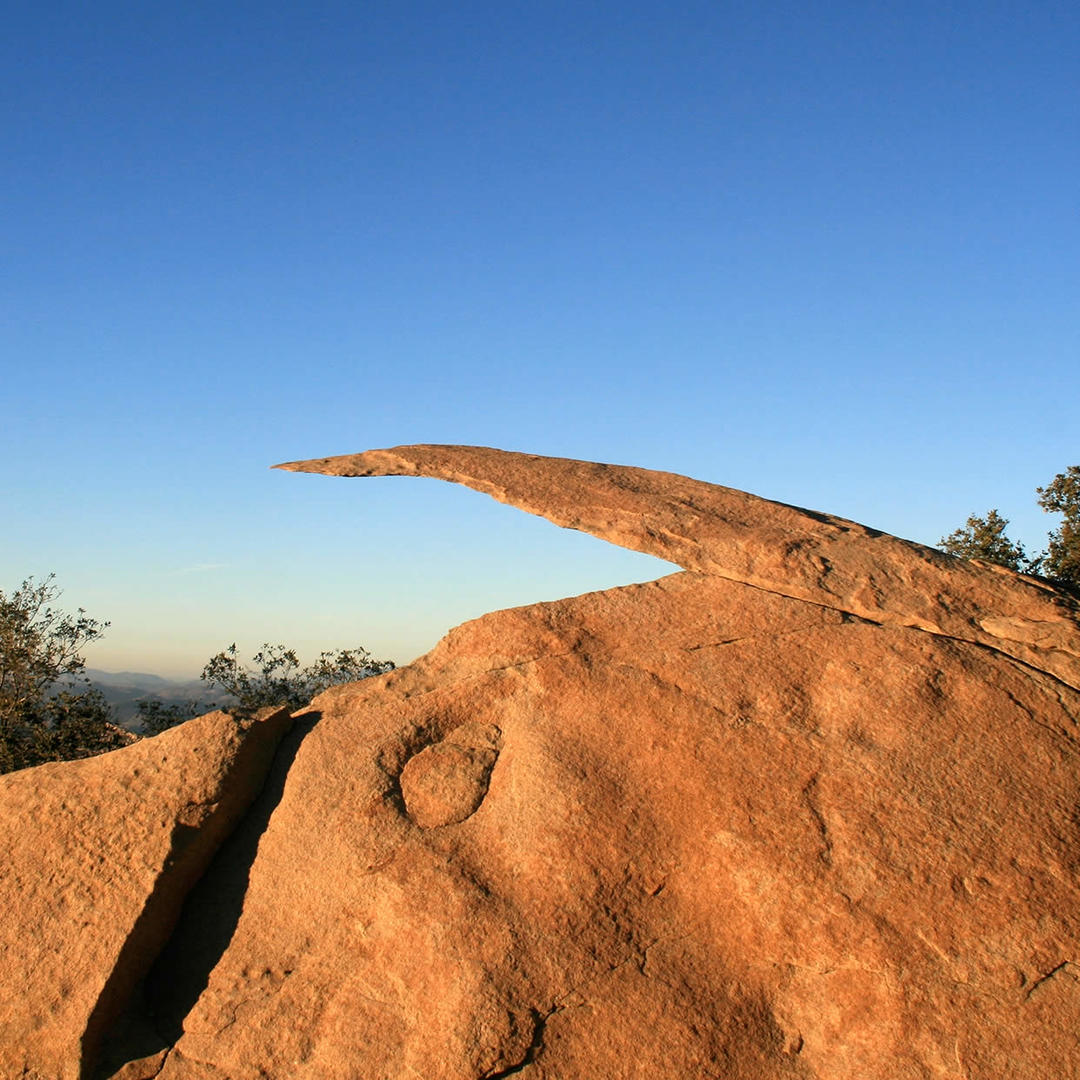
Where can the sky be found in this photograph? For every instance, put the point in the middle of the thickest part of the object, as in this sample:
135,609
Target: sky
823,253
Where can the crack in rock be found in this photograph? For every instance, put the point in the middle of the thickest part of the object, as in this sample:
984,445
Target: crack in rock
1061,969
535,1047
809,794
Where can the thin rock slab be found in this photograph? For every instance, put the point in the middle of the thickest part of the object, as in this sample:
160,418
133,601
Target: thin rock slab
804,554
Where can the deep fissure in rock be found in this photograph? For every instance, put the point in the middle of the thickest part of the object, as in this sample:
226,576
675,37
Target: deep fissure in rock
154,1019
535,1046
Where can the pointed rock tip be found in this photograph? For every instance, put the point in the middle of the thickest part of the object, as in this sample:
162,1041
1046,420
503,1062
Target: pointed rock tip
331,466
393,461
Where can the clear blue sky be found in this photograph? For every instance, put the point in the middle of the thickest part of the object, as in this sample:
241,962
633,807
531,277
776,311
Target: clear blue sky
826,253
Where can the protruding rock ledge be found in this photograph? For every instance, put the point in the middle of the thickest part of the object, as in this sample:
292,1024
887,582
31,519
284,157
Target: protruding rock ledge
783,549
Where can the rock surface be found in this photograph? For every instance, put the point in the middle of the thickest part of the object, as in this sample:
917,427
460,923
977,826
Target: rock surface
95,858
807,809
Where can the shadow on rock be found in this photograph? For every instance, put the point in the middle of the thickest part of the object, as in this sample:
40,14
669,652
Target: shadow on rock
154,1021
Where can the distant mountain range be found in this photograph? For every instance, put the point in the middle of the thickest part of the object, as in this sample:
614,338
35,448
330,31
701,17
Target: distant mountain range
124,689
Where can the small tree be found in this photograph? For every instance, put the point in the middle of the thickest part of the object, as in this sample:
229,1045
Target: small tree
71,725
156,716
40,647
984,538
1061,562
276,679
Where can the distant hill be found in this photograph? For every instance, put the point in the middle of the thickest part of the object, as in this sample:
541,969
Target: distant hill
124,689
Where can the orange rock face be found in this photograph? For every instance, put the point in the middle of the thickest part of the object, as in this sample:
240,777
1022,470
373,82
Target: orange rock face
807,809
96,857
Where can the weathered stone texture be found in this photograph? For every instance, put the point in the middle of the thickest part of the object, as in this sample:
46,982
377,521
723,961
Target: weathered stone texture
95,859
805,810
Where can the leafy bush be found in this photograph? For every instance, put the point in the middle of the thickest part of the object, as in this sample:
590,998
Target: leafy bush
276,679
984,537
1061,562
47,710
